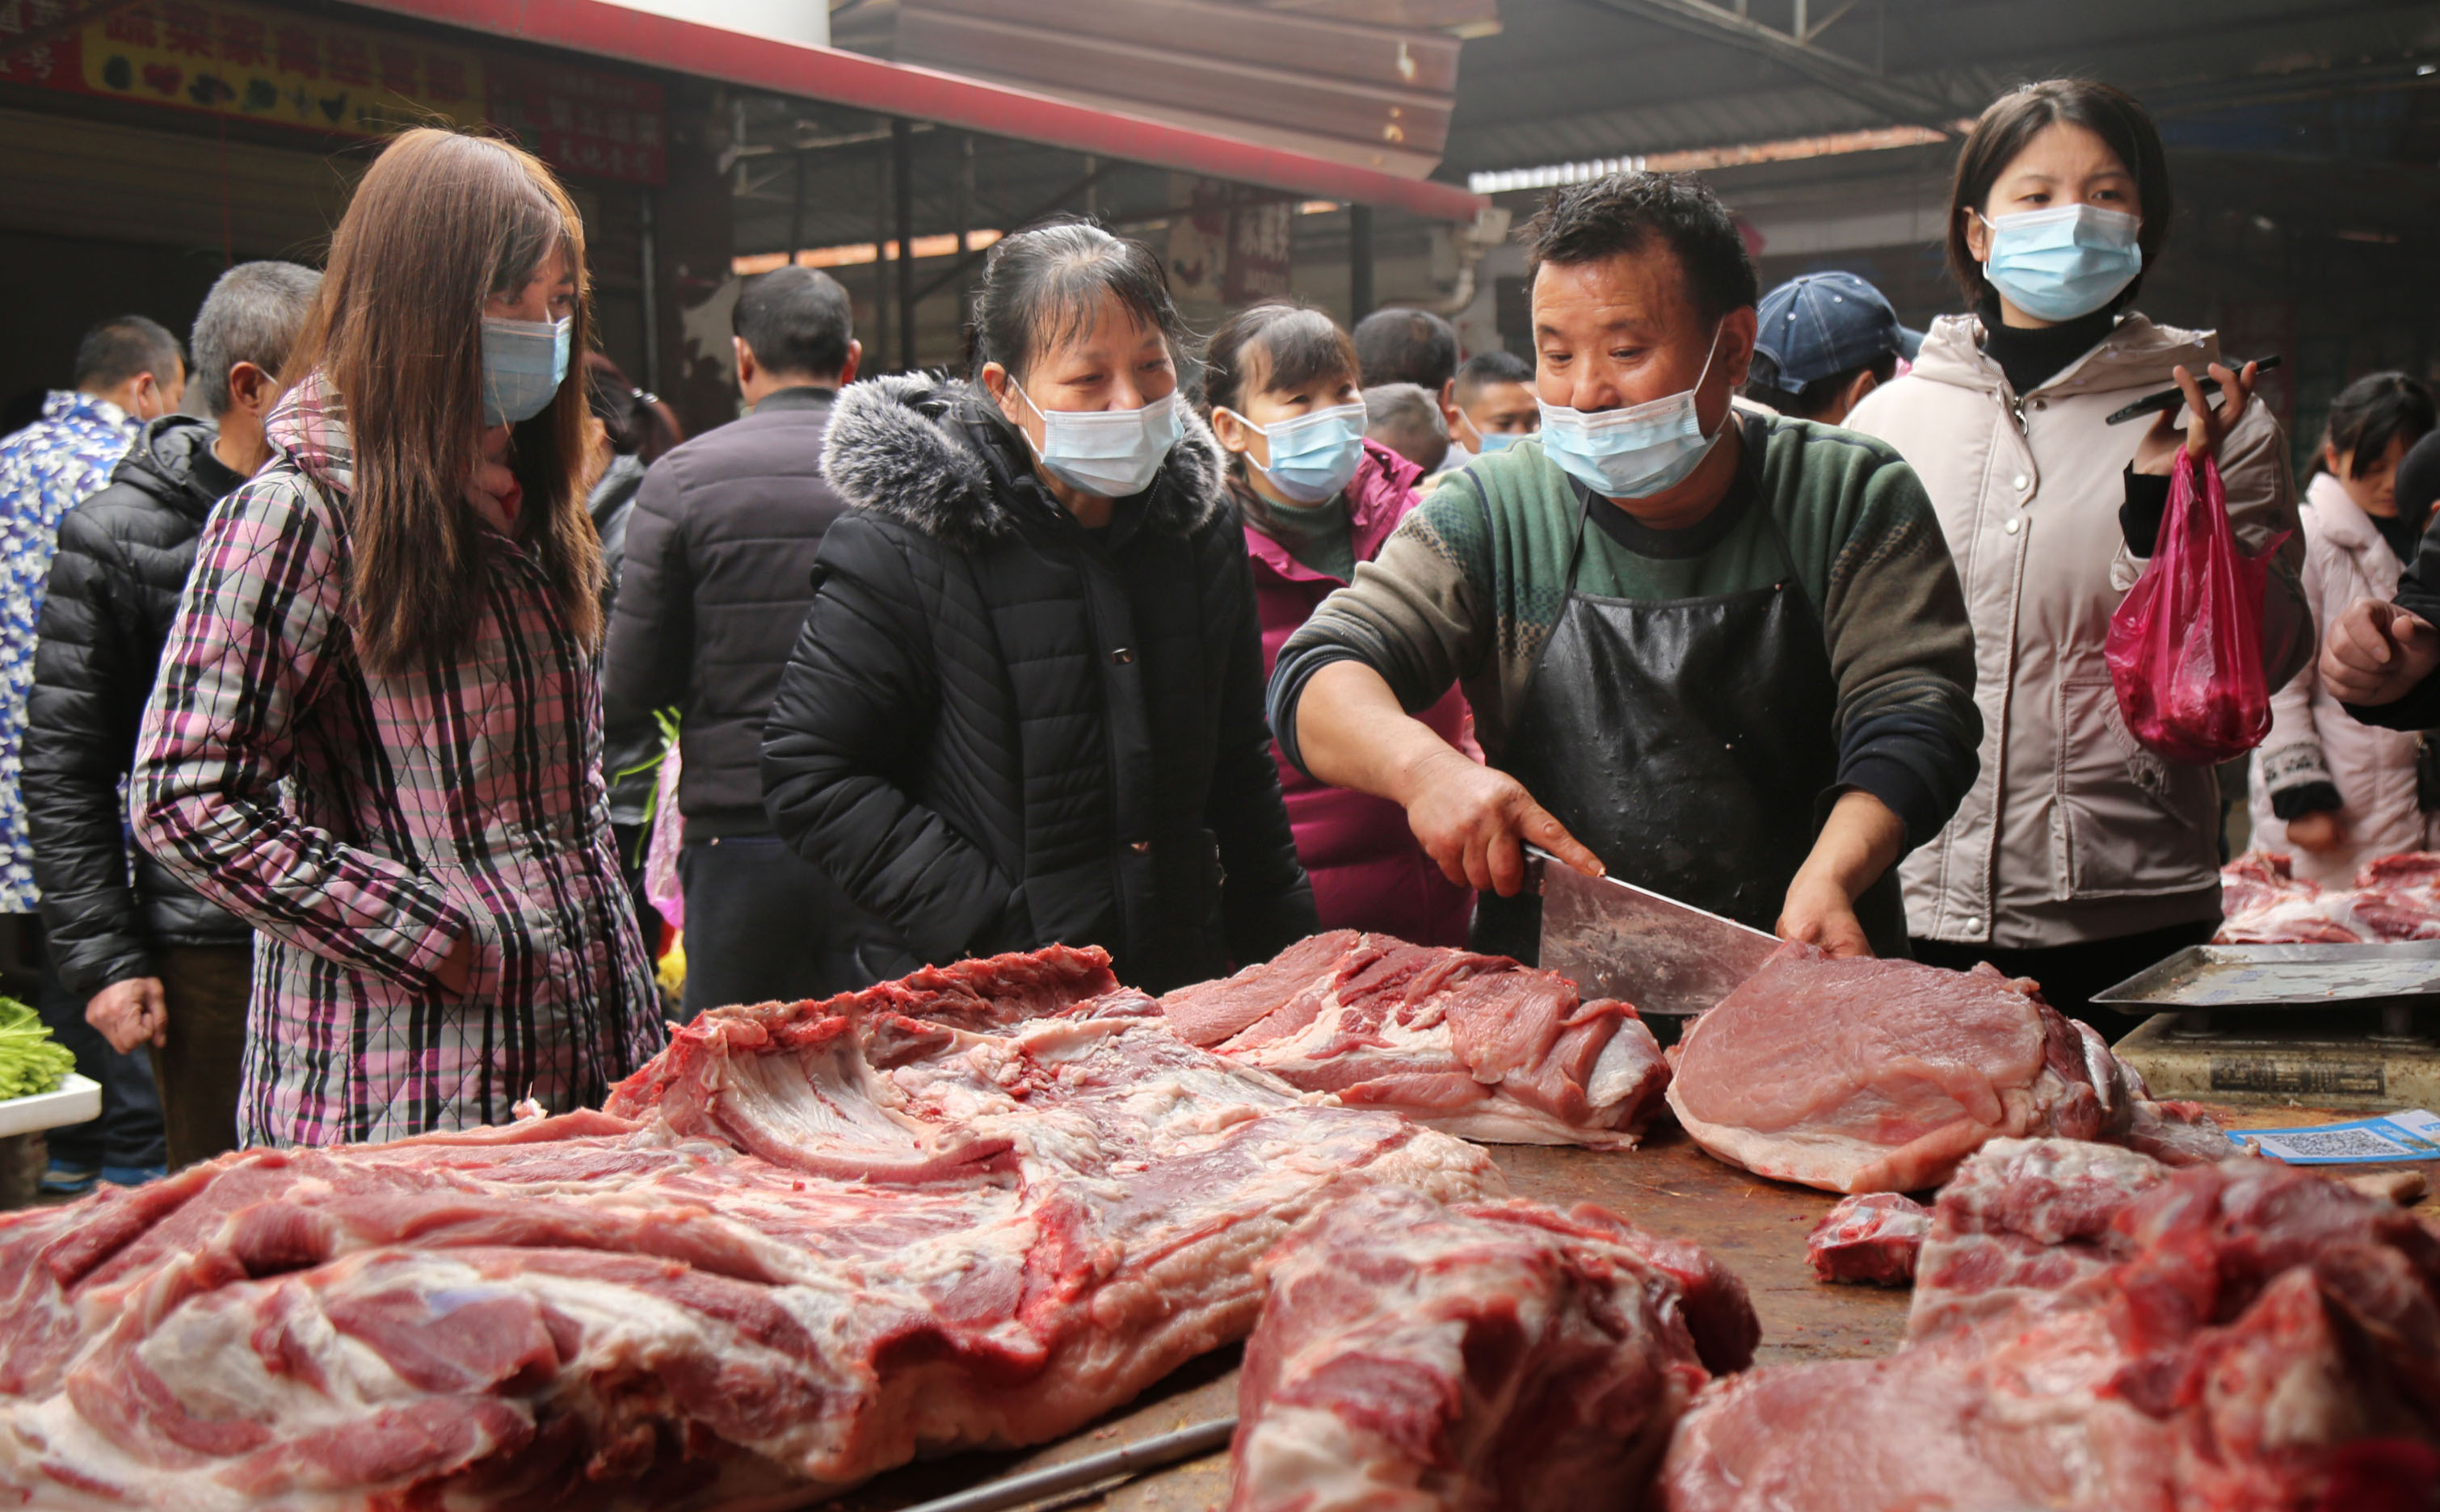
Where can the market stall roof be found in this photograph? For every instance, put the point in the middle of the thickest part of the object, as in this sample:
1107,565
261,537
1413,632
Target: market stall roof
608,30
1622,78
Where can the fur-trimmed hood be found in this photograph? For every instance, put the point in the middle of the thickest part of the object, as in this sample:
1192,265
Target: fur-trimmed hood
935,454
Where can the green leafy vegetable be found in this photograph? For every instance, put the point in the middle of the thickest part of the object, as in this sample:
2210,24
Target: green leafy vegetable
30,1060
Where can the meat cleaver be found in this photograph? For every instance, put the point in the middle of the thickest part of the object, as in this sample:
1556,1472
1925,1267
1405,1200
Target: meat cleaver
1617,940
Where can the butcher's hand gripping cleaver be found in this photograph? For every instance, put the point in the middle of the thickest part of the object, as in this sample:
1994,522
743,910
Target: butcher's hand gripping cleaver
1616,940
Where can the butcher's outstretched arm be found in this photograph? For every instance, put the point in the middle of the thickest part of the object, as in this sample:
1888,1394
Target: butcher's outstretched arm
1473,820
1862,838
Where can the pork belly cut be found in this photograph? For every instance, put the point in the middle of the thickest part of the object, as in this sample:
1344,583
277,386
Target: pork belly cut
1870,1239
1472,1045
2395,898
1871,1076
2094,1331
1473,1358
800,1247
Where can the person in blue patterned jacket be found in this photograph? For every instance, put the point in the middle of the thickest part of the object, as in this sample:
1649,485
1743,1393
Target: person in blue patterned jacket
128,370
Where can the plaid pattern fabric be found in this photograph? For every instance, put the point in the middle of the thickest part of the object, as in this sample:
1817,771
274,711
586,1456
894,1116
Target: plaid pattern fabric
362,824
45,470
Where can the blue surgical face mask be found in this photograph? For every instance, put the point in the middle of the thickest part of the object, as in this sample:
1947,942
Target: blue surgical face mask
1496,440
524,364
2063,263
1312,456
1636,452
1108,454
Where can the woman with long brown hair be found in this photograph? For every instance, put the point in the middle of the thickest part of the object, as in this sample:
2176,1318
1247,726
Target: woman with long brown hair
377,731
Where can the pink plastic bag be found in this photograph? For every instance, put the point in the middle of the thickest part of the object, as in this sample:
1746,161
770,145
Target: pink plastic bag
2185,646
661,887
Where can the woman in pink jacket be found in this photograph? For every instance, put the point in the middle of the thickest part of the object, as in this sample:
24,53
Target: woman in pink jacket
1280,387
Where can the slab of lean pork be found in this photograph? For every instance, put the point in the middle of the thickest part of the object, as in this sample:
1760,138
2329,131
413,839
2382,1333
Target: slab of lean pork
1869,1075
802,1246
1476,1358
1472,1045
2095,1332
1872,1238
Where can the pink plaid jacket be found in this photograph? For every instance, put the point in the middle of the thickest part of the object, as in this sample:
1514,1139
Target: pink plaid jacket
362,824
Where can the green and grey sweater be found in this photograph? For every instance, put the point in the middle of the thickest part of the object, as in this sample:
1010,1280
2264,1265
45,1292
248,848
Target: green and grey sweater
1472,583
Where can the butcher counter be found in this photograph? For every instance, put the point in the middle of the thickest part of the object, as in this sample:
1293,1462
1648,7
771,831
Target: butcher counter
1756,1227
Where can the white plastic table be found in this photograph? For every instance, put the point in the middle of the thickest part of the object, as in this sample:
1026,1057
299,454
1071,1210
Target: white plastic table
77,1100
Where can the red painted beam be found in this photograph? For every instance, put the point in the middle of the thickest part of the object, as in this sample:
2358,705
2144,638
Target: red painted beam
849,79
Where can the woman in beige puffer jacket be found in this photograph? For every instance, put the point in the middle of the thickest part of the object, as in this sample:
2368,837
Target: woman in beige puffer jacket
2080,857
2329,790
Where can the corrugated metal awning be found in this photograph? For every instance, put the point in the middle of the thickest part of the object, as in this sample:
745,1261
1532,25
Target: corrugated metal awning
607,30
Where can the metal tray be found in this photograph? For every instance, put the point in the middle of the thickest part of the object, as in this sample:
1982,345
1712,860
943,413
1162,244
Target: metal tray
2282,976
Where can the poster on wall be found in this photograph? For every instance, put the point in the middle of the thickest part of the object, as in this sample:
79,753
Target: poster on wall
1222,251
252,62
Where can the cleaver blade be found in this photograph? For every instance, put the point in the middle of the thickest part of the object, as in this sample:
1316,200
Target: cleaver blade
1616,940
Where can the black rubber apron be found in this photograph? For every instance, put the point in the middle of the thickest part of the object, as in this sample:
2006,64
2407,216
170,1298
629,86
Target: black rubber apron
1691,743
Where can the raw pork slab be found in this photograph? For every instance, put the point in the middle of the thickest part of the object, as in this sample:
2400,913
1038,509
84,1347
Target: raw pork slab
1872,1238
1869,1075
2263,902
1472,1045
1473,1358
2095,1332
802,1247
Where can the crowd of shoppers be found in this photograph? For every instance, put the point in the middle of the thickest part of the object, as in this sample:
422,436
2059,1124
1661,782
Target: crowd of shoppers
1761,600
146,961
129,373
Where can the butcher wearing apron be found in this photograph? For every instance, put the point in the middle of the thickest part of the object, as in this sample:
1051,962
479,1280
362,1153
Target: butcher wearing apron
1690,743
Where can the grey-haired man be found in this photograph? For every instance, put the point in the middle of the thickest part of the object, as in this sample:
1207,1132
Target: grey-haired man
152,962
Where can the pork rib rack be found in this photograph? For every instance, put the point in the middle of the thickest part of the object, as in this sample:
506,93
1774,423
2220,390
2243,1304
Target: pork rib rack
802,1246
2095,1332
1495,1355
1472,1045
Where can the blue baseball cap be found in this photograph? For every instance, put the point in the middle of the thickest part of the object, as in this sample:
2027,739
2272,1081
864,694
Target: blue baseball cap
1824,324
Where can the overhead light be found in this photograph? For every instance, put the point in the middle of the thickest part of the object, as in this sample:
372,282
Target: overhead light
854,253
1834,144
2426,70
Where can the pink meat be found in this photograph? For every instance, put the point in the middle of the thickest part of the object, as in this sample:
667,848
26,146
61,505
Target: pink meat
800,1247
1872,1238
1492,1355
2395,898
1209,1012
2419,870
1383,1023
1865,1076
2094,1331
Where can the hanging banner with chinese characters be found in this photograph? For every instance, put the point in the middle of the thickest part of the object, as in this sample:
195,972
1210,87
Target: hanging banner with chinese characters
256,63
583,120
260,65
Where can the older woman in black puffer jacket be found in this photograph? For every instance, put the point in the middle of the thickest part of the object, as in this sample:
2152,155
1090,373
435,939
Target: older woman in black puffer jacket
1027,705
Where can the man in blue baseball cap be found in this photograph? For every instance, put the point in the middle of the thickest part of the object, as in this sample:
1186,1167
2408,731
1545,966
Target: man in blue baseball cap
1824,341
